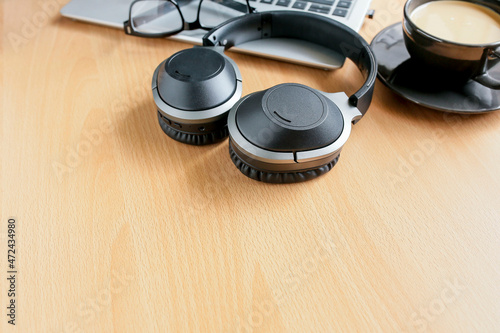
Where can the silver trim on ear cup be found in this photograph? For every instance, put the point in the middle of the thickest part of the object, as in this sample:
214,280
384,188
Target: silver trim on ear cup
196,117
350,114
296,160
249,148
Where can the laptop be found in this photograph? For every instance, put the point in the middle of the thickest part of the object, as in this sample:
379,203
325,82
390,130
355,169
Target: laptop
113,13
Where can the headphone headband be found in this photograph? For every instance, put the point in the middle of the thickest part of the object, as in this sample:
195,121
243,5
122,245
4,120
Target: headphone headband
304,26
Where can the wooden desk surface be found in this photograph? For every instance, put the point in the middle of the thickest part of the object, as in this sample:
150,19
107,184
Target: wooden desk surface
119,228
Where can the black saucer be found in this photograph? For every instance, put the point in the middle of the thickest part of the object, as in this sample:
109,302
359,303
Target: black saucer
413,82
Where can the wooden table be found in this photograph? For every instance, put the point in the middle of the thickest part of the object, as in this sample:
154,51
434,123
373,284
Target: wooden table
119,228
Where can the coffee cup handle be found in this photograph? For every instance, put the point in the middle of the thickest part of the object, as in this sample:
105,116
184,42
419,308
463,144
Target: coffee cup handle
485,78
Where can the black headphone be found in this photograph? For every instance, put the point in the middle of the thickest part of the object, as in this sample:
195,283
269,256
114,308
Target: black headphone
285,134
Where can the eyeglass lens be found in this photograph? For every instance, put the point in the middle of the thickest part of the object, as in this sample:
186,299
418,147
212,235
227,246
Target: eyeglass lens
155,17
215,12
161,17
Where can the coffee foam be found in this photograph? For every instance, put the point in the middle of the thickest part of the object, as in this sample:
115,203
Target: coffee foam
458,21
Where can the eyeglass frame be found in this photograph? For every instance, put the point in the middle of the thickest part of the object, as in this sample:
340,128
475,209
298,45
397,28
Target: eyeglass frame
129,29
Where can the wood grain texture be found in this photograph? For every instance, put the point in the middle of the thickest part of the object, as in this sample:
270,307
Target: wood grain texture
122,229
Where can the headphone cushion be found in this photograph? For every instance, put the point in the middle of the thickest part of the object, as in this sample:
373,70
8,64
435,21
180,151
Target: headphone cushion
279,177
193,138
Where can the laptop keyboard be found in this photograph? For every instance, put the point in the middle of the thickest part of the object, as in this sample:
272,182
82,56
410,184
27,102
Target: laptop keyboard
339,8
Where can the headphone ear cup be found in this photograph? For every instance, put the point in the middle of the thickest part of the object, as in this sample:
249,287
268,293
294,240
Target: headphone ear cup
194,89
279,177
217,135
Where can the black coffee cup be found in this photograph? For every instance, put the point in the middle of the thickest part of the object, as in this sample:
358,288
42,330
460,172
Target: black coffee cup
449,61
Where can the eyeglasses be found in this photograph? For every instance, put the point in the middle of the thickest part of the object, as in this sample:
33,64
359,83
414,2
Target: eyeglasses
162,18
